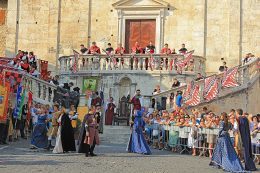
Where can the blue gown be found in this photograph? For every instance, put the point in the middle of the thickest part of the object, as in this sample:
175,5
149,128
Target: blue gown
39,135
224,154
137,142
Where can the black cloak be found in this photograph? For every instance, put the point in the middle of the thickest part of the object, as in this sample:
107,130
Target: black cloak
67,134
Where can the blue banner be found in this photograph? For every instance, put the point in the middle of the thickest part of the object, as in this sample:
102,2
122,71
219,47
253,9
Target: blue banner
18,101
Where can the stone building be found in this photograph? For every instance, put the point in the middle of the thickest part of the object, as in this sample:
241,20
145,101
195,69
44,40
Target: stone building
52,28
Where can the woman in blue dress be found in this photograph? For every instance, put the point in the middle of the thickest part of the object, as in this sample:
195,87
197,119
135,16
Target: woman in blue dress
137,142
224,155
39,135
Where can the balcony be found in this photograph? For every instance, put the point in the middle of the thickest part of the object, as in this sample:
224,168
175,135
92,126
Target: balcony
130,64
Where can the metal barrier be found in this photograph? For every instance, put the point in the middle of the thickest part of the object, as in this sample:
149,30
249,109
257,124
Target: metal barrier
182,138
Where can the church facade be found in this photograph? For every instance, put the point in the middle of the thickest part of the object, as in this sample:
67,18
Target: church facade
214,29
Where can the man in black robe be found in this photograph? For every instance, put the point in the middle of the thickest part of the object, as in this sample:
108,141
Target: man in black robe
67,133
246,140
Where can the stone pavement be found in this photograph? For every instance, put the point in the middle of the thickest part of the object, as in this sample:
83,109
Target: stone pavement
112,158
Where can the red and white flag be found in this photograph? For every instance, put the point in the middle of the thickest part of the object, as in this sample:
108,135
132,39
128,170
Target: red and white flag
229,79
187,94
74,68
185,61
210,88
195,96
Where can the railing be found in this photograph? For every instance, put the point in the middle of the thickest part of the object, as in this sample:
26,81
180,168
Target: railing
43,92
192,136
140,62
246,74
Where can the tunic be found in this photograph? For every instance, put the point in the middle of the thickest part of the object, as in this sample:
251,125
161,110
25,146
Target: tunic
110,113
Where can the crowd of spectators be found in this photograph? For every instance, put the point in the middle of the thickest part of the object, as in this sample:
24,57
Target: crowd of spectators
161,134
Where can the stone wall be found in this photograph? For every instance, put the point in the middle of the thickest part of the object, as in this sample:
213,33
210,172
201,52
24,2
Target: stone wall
3,26
215,34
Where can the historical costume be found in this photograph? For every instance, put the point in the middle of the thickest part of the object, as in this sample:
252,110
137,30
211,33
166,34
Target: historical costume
136,49
166,51
94,49
246,141
89,137
110,112
224,154
150,49
52,132
65,139
137,142
39,135
136,101
120,50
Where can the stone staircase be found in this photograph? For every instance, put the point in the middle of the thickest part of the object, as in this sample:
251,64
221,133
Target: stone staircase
244,96
115,135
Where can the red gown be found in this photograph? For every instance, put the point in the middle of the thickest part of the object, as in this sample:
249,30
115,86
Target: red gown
110,113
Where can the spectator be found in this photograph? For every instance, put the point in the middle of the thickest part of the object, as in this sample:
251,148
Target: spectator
32,59
55,80
204,112
166,50
67,86
109,49
83,49
199,77
25,65
94,49
34,72
223,67
173,51
183,50
175,83
120,49
137,49
178,100
150,49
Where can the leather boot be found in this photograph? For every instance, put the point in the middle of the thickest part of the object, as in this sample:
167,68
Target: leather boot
87,150
92,150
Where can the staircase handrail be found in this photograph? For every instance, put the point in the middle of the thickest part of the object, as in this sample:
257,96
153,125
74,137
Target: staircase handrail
201,82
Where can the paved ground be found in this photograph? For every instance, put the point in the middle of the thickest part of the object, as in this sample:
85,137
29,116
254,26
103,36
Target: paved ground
17,158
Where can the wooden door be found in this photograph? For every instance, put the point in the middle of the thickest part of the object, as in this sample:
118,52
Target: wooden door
142,31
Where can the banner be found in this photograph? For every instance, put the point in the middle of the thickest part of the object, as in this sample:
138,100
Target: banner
14,78
30,99
44,69
21,104
89,84
18,101
4,95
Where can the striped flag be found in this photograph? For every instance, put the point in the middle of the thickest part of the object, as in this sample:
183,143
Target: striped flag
210,88
74,68
187,94
229,79
185,61
195,96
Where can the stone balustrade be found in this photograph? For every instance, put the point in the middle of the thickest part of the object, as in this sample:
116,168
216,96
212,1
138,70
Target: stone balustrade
245,76
43,92
130,63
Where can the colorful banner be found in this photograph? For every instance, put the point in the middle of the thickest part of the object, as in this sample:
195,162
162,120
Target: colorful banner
21,104
18,101
44,69
4,94
89,84
14,78
30,99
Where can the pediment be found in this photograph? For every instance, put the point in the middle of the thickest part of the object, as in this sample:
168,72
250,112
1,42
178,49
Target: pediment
123,4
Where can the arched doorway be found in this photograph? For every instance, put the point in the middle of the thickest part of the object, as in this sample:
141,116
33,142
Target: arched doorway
124,87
